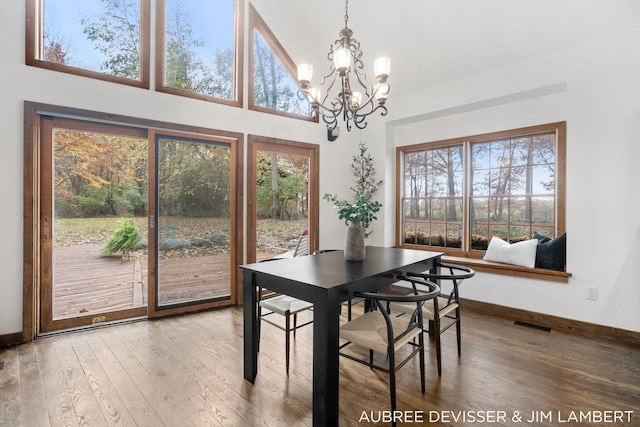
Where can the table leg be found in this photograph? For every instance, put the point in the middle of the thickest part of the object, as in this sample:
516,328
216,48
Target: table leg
251,320
326,364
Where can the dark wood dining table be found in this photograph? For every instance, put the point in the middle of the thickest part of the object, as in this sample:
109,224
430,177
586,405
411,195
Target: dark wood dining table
326,280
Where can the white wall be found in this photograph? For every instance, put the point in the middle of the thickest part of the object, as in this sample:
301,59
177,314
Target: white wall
336,178
596,88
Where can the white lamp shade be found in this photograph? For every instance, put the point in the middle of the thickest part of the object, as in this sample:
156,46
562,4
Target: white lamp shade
381,91
314,94
342,59
382,66
356,99
305,72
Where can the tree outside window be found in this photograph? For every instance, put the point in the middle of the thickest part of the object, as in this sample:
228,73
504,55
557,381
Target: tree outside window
274,88
199,47
457,194
93,38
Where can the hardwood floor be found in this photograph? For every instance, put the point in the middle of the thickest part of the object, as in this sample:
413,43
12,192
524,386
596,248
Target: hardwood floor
187,371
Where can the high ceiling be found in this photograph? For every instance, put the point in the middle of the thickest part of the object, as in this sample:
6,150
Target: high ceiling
434,41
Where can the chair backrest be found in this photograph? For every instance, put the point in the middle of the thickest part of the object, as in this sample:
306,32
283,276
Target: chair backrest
427,291
302,247
456,273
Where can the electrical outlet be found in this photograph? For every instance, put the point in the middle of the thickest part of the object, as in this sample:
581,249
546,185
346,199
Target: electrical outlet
592,293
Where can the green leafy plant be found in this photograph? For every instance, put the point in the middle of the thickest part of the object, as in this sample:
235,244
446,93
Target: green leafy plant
125,238
365,185
362,210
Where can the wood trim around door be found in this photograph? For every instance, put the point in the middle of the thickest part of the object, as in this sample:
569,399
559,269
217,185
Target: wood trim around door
257,143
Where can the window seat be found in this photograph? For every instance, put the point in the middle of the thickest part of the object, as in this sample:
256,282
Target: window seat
509,270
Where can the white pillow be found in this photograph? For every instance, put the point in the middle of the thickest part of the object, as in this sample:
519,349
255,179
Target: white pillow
521,253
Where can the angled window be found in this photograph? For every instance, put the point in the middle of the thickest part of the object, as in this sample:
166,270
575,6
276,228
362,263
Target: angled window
106,40
198,50
455,195
272,85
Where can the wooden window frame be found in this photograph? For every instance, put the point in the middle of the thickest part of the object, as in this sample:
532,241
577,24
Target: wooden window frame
256,23
34,28
238,61
466,255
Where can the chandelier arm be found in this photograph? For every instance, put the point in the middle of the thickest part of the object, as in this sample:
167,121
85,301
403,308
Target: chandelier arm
360,119
368,103
334,77
361,77
330,120
382,108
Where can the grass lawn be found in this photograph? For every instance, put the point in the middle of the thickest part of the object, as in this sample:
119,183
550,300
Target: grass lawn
84,231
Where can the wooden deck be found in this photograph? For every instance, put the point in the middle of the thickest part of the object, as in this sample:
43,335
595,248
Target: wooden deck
85,282
186,279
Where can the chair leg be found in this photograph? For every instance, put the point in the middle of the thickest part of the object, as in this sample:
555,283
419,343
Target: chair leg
438,350
422,376
432,329
288,338
458,331
349,310
392,383
259,310
295,324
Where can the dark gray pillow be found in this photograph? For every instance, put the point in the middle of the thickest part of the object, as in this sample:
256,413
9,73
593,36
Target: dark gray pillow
551,253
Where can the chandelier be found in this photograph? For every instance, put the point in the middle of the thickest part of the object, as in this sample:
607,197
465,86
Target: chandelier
348,93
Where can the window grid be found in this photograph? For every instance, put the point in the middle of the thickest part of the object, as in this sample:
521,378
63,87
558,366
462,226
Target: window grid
511,186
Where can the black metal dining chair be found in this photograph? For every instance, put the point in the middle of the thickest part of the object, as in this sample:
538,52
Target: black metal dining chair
378,331
442,312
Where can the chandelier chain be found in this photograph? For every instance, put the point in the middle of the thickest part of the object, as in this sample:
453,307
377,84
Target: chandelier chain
346,13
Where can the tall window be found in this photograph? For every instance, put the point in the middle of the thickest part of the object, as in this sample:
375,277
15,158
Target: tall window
455,195
198,51
272,87
108,40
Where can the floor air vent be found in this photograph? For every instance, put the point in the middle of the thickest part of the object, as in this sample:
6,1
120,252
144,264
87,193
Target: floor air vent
531,325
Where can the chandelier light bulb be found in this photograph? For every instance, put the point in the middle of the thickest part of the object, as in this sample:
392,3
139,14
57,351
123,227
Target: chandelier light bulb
314,94
305,73
381,67
342,60
381,91
356,100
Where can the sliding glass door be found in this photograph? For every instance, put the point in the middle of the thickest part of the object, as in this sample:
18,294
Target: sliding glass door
194,227
133,223
93,217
